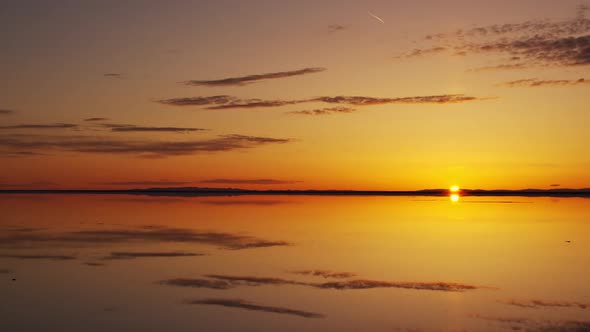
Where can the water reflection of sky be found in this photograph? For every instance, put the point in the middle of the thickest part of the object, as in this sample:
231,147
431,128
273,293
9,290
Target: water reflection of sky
120,263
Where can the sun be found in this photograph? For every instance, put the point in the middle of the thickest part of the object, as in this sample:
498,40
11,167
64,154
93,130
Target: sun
454,198
454,188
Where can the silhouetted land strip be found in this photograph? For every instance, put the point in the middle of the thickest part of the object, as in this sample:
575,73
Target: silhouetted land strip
190,191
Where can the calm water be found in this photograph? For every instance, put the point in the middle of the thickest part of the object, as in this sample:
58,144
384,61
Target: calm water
133,263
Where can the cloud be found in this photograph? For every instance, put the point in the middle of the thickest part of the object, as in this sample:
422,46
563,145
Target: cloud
21,153
94,264
566,51
255,281
134,255
563,326
544,28
512,66
245,202
530,325
367,284
47,257
336,28
533,82
248,181
507,320
199,101
243,80
418,52
134,128
364,101
256,103
228,241
199,283
142,148
325,274
6,112
536,304
532,43
41,126
324,111
95,119
343,285
146,183
228,102
113,75
242,304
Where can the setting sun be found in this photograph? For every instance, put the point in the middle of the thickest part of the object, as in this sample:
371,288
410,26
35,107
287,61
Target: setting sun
454,188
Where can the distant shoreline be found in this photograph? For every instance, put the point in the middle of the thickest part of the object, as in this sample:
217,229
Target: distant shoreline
246,192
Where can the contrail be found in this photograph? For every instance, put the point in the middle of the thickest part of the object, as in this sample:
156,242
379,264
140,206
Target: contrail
376,17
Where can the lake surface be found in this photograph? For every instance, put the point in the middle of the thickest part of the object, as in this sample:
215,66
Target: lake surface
287,263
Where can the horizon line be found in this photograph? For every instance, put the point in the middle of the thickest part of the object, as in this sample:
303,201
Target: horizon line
206,191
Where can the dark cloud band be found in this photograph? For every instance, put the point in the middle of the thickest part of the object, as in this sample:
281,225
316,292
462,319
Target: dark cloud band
243,80
228,102
241,304
142,148
41,126
248,181
533,82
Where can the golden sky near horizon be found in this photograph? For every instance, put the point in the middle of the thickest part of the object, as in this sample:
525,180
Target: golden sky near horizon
295,94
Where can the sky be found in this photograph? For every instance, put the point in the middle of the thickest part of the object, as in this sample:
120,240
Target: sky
384,95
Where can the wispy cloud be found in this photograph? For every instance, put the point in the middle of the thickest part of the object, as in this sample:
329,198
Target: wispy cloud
235,281
510,66
6,112
113,75
261,202
536,304
199,101
419,52
242,304
256,281
566,51
21,153
142,148
325,274
229,102
133,128
368,284
256,103
146,183
336,28
243,80
40,257
248,181
228,241
531,325
199,283
120,255
532,43
534,82
505,320
94,264
41,126
364,101
324,111
95,119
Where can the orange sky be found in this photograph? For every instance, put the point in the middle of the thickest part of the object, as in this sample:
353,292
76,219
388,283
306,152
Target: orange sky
483,94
